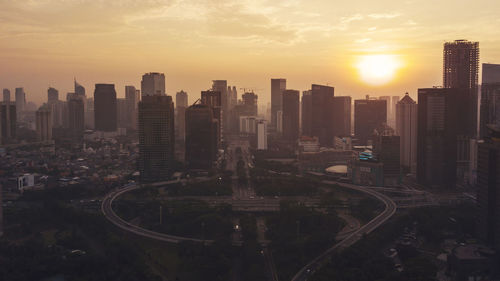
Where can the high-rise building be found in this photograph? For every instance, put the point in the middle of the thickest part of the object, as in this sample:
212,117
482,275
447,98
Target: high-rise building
386,150
291,117
388,103
221,86
261,135
156,137
342,116
105,110
132,98
214,100
306,113
406,129
44,123
277,88
76,117
181,103
490,97
79,89
437,137
391,119
90,114
488,188
250,103
122,114
153,83
6,95
369,114
20,101
8,120
322,114
52,95
201,136
1,211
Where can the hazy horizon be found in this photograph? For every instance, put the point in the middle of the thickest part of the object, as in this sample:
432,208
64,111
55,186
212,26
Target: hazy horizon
50,42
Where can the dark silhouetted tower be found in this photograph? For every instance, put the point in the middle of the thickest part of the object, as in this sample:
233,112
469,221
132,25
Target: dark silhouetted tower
291,117
342,116
369,115
153,83
52,95
306,114
490,97
406,128
181,103
156,137
201,136
105,110
322,114
277,88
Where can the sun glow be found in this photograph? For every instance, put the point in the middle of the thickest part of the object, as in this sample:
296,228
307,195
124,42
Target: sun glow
378,69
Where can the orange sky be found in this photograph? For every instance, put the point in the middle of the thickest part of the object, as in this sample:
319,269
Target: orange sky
48,42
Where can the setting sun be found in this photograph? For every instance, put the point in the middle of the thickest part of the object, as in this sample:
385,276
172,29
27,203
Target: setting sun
377,69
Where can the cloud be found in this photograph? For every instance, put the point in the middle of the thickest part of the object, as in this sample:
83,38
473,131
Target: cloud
384,16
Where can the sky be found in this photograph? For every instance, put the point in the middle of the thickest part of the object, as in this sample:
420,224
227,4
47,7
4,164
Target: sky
50,42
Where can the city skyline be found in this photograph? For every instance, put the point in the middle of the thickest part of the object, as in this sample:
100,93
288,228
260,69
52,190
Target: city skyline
245,43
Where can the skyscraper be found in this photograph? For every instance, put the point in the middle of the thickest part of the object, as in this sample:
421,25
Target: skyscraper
322,114
76,117
214,100
156,137
43,123
79,90
291,117
406,128
368,115
52,95
342,116
153,83
132,98
6,95
488,188
181,103
277,88
201,136
391,118
386,149
306,114
261,135
122,114
490,97
437,137
250,103
105,110
221,87
8,120
20,101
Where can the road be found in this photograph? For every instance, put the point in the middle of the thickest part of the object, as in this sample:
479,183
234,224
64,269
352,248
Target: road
109,213
390,209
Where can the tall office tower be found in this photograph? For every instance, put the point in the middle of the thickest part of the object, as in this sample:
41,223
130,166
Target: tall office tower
105,111
488,188
181,103
153,83
490,97
386,149
277,87
461,70
214,100
76,117
79,89
1,211
221,86
6,95
52,95
122,115
132,98
90,114
201,136
368,115
388,103
342,116
20,101
279,121
291,107
44,123
261,134
322,114
8,119
306,114
392,118
437,137
250,103
234,96
156,137
406,129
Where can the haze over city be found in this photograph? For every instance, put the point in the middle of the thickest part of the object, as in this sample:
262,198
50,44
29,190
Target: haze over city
49,42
